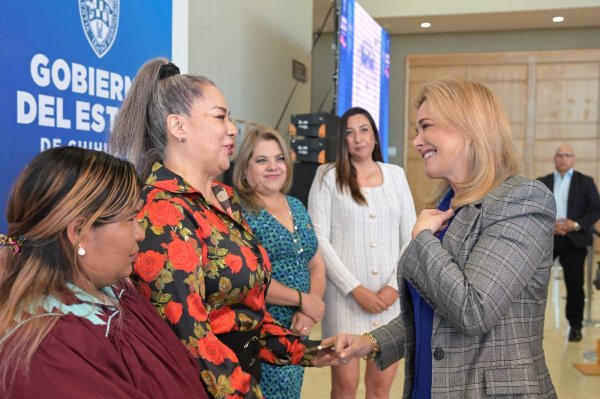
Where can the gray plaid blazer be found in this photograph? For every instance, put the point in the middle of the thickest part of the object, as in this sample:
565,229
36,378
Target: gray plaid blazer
487,283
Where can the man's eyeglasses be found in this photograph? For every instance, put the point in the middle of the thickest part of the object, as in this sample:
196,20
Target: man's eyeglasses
564,155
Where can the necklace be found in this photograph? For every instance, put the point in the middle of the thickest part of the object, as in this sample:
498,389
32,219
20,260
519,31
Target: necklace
295,237
296,241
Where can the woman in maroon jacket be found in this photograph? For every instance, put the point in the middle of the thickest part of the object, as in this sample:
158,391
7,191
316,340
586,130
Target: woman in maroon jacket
71,325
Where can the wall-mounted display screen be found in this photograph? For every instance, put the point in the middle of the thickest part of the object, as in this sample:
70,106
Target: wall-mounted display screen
363,66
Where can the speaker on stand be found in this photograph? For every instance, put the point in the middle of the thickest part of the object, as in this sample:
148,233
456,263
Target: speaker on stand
312,139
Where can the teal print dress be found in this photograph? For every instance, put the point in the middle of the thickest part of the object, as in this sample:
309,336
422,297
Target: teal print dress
289,254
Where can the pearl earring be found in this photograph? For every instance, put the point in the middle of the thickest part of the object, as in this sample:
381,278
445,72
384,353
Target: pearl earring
182,139
81,251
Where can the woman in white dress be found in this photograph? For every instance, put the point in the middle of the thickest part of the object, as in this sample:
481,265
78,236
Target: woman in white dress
363,214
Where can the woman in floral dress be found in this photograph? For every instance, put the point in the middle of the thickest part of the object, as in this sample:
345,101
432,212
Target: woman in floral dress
200,264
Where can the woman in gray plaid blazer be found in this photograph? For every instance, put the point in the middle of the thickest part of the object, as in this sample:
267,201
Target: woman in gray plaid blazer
473,281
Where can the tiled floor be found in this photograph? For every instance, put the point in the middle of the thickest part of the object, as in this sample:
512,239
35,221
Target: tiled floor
560,354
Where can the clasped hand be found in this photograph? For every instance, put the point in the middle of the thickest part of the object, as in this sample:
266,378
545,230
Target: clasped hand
312,311
374,302
313,306
302,324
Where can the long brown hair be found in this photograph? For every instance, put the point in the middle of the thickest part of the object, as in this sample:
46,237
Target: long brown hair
473,110
58,186
345,171
251,139
139,133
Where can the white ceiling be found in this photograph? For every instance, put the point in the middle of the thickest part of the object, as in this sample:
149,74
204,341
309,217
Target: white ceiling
586,14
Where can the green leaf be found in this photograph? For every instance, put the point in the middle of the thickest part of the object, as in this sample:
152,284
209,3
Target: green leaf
157,230
165,276
164,298
225,284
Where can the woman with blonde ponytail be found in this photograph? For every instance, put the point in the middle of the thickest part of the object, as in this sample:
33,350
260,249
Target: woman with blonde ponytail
71,325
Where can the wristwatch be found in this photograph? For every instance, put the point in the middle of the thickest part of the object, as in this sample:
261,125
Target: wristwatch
576,227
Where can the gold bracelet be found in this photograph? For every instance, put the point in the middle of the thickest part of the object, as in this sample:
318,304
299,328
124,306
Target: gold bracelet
376,349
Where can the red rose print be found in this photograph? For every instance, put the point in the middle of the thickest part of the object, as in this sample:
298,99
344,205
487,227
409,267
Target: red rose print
215,222
162,213
267,356
204,254
295,348
148,265
268,318
222,320
169,185
196,308
141,213
251,260
254,298
266,260
183,255
173,311
214,351
234,262
152,196
239,380
273,329
204,226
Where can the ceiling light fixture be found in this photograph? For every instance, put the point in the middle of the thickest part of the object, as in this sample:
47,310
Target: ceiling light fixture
425,25
558,19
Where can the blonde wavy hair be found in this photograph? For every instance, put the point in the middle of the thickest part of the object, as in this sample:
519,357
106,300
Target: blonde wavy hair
246,192
473,110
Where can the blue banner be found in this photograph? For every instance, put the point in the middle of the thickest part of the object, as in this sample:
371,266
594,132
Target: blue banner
66,67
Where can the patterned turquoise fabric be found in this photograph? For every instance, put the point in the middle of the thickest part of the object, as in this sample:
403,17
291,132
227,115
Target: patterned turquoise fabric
290,267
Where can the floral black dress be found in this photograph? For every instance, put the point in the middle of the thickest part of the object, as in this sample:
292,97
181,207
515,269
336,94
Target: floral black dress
207,274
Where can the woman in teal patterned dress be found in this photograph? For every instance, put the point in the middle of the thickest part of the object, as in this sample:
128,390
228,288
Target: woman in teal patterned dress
262,175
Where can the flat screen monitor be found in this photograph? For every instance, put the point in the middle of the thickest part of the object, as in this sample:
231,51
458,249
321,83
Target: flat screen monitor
363,67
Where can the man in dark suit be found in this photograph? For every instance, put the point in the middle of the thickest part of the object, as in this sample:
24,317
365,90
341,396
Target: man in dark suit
577,209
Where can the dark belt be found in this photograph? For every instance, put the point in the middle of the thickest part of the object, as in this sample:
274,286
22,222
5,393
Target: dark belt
245,345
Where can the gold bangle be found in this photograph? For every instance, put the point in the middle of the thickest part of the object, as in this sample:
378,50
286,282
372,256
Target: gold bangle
376,349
